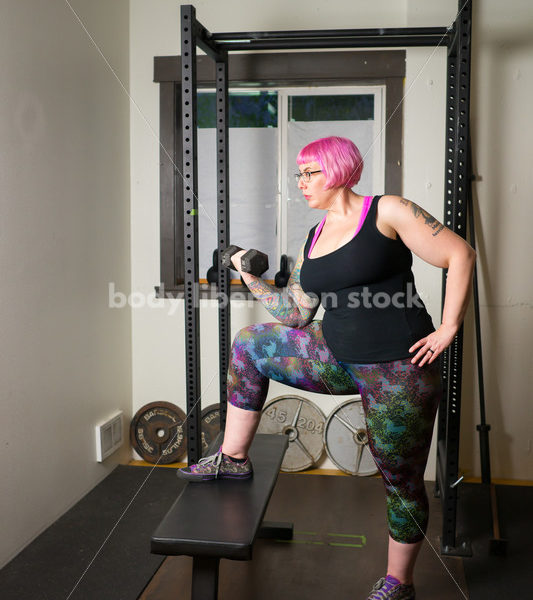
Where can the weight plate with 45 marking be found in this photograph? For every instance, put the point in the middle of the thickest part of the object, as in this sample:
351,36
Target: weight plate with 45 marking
303,422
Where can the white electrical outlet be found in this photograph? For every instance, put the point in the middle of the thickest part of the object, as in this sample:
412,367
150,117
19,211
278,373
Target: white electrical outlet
109,436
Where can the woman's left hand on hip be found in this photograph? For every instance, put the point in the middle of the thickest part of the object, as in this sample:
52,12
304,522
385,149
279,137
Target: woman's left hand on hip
432,345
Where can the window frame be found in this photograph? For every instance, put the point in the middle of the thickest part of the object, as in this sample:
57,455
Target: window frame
264,69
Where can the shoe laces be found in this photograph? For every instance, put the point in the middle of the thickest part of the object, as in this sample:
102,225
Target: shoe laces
379,584
376,589
378,592
214,459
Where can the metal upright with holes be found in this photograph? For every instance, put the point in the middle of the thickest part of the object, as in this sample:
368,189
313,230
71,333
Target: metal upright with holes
193,35
222,125
190,231
217,46
455,209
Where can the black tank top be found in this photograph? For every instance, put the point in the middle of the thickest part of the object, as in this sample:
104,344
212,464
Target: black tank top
372,310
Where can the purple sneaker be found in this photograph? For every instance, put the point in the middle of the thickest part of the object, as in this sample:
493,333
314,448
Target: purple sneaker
389,588
217,466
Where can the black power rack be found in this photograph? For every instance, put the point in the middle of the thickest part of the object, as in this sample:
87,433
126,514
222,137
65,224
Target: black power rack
182,99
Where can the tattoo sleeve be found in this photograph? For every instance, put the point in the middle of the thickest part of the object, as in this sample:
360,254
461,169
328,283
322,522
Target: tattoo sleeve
430,221
292,306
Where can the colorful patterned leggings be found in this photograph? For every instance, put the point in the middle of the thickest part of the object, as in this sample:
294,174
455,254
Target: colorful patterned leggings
400,401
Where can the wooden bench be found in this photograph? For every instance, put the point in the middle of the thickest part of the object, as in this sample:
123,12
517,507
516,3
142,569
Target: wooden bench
222,518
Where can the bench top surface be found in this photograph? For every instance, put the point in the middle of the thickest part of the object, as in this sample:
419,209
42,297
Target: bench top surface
221,518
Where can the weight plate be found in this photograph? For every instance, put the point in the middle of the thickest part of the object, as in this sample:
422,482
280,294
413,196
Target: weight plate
346,439
210,425
157,432
303,422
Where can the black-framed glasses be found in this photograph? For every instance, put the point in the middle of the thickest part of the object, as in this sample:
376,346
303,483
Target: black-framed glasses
306,175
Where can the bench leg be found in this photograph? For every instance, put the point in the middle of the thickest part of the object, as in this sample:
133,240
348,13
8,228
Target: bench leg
275,530
204,578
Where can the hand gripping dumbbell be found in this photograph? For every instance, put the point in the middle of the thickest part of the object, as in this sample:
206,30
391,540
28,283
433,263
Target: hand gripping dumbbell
253,261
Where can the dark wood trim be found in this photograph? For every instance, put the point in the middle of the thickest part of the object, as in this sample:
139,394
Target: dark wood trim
171,192
290,68
166,181
394,135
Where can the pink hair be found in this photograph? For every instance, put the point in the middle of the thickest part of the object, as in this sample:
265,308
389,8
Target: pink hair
339,159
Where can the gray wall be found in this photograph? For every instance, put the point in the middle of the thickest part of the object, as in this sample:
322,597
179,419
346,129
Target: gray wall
64,235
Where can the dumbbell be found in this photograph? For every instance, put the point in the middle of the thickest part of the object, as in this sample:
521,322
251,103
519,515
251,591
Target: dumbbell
282,276
253,261
212,272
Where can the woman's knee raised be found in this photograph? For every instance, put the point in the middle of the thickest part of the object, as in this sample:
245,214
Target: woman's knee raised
254,331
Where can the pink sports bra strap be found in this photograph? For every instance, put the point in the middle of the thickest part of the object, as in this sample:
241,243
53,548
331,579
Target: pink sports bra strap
364,212
317,233
366,207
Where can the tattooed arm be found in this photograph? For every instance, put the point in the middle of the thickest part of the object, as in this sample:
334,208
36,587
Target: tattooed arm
422,233
441,247
292,306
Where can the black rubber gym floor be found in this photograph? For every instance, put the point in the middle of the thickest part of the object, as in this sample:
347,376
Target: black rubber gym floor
494,577
339,548
50,567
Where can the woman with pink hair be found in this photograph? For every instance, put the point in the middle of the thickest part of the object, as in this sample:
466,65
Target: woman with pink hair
376,338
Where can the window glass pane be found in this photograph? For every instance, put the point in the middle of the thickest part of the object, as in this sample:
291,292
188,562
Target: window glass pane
321,108
246,109
253,167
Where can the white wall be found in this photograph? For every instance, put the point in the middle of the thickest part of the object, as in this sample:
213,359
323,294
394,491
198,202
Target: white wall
64,234
502,85
502,126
